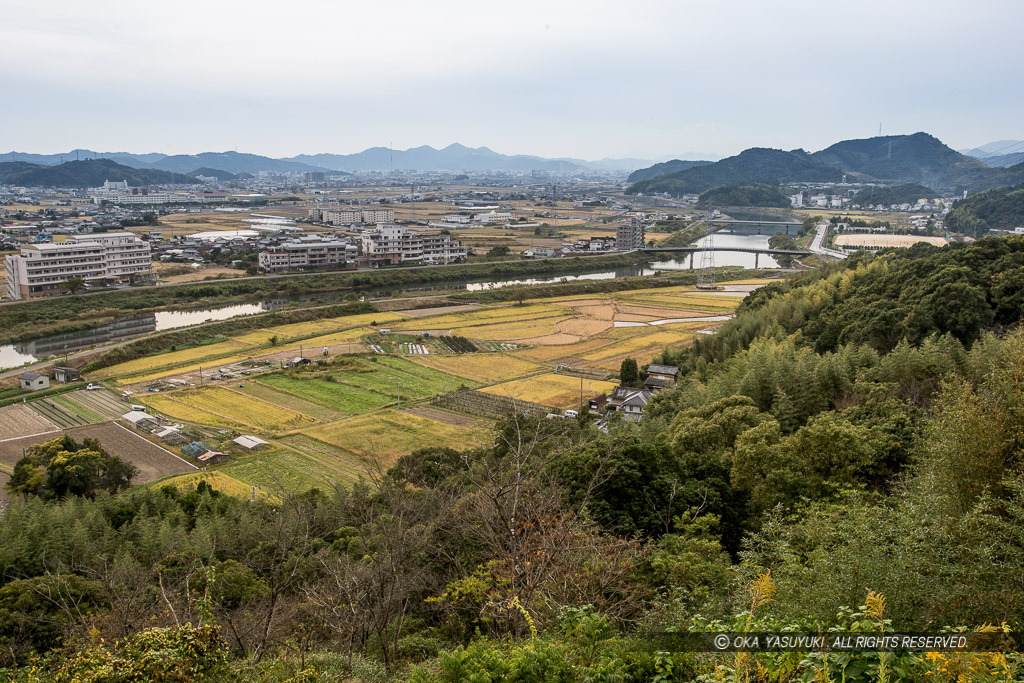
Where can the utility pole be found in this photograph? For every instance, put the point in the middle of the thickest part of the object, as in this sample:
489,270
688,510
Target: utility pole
399,381
200,375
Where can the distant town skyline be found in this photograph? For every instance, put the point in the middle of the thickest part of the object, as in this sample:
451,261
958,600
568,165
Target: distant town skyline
649,79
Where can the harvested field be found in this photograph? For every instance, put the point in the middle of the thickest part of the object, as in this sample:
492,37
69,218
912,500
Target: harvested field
887,240
286,400
171,359
441,415
388,434
219,480
480,367
19,420
285,471
561,391
153,461
214,405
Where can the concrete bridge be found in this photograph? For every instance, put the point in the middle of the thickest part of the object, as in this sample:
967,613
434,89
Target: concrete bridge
756,227
747,250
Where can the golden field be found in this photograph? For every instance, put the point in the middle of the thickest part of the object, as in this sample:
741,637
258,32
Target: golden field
561,391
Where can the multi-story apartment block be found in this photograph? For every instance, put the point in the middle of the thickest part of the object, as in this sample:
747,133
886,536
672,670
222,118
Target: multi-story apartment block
630,235
307,253
339,216
396,244
43,269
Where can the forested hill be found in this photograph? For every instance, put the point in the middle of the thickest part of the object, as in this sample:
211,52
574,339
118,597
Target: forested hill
907,193
854,436
919,158
87,173
1001,208
752,165
664,168
754,194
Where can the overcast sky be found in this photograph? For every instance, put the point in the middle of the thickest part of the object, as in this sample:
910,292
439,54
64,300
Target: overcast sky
645,78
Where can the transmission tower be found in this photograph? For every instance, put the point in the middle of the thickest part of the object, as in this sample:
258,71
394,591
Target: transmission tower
706,277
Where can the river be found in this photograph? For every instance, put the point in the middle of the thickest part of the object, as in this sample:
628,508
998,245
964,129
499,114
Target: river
15,355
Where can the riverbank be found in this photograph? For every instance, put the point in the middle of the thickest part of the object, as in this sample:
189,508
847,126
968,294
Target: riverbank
61,315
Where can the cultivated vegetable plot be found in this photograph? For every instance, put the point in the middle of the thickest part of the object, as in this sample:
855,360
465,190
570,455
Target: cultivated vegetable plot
458,344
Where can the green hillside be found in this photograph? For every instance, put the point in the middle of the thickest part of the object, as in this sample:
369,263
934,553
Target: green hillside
1001,208
907,193
754,194
757,165
89,173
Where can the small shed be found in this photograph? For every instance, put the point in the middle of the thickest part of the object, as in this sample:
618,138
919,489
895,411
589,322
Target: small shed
33,381
250,443
66,375
203,453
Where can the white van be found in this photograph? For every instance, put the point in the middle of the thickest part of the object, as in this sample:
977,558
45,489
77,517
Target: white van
571,414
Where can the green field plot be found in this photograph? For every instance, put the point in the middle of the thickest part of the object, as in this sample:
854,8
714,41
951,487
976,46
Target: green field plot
345,399
388,434
287,400
284,471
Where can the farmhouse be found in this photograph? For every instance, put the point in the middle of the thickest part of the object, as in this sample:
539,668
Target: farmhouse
33,381
660,376
629,402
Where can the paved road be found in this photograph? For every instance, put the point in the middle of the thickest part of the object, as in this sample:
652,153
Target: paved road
819,238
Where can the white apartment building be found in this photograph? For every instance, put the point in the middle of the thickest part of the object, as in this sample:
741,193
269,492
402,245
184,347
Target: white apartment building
378,215
348,216
396,244
141,197
307,253
42,269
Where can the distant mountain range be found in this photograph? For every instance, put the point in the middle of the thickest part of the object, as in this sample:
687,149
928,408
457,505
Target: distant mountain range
918,158
454,158
83,174
1001,153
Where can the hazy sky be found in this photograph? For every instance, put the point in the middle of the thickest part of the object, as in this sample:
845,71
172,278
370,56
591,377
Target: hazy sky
590,79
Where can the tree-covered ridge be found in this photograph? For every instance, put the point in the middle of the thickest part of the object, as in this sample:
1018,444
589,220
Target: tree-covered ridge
907,193
757,165
87,173
753,194
918,158
1001,208
799,468
664,168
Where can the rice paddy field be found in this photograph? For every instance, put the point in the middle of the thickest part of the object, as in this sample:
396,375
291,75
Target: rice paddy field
329,422
389,434
226,408
560,391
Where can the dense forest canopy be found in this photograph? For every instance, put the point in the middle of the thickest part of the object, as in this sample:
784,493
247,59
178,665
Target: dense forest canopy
853,437
753,194
907,193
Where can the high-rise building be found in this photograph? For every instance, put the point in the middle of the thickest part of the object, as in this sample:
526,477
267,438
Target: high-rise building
630,235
